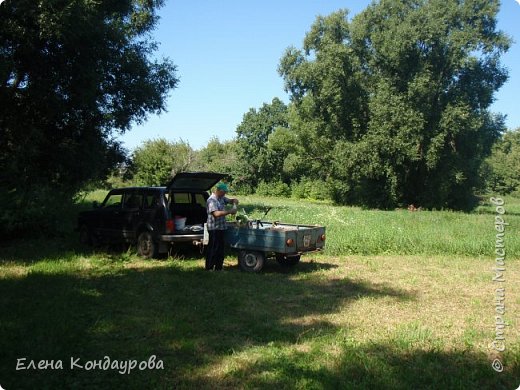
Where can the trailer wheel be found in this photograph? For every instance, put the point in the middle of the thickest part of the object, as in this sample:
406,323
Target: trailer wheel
287,261
251,261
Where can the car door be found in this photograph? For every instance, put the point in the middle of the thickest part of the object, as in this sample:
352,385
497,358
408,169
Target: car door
107,215
130,216
153,212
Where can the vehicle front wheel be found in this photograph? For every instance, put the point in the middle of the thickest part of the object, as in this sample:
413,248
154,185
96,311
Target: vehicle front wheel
251,261
146,246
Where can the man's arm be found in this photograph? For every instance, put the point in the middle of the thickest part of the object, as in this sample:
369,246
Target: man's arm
223,213
231,200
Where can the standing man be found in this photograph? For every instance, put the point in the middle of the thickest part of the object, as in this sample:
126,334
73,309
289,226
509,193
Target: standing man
215,207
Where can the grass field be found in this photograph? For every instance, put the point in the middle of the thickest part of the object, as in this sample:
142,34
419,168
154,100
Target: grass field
398,300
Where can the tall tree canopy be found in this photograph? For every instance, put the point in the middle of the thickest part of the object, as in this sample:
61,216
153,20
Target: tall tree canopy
71,74
157,161
393,107
257,162
217,156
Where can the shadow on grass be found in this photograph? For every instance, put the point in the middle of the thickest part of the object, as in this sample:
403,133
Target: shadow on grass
190,319
193,320
27,251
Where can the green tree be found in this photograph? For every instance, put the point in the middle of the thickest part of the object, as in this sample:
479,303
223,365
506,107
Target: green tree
157,161
72,75
217,156
256,161
393,107
502,168
282,145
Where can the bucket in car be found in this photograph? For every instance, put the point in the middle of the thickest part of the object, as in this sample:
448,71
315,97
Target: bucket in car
180,222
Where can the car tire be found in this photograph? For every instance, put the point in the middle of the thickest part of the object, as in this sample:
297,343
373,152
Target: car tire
251,261
287,261
146,246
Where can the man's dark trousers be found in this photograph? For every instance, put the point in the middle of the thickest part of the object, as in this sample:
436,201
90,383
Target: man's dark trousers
215,250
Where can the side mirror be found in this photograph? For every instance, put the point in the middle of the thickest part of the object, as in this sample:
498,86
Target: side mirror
95,204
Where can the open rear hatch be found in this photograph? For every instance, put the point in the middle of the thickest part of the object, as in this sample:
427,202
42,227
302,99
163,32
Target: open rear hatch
194,181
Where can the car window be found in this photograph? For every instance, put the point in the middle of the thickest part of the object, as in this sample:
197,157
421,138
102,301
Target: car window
133,201
113,201
181,197
151,201
199,199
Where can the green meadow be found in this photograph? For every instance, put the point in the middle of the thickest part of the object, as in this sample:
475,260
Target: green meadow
397,300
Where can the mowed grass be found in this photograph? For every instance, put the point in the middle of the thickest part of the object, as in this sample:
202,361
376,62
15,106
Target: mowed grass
415,313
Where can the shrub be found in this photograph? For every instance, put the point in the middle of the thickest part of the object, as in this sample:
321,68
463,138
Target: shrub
311,189
45,212
242,189
277,188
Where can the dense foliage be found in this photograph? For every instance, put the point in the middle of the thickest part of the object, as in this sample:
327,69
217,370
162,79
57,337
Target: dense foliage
154,163
392,107
71,74
258,159
501,170
217,156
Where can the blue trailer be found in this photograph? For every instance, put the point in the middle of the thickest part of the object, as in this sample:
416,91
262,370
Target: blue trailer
257,241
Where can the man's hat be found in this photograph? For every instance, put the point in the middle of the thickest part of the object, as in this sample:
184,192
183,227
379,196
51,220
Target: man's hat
222,187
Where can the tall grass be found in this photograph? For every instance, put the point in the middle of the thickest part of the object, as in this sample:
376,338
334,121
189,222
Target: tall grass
352,230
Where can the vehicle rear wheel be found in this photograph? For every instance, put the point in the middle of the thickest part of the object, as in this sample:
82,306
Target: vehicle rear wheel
251,261
287,261
146,246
